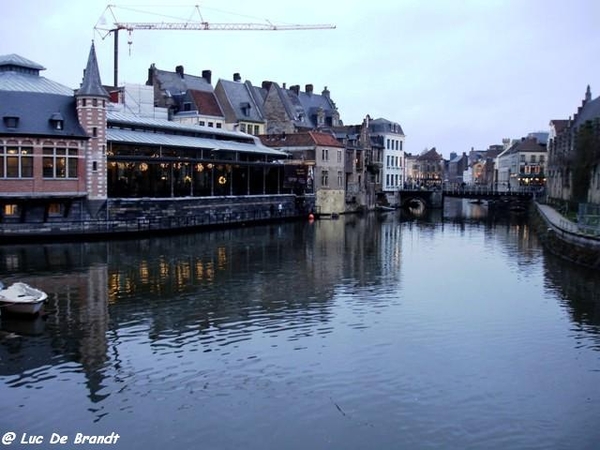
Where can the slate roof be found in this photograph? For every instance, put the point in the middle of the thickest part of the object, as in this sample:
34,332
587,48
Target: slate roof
34,111
91,84
590,111
529,146
130,129
174,84
20,74
244,97
192,142
430,155
381,125
35,100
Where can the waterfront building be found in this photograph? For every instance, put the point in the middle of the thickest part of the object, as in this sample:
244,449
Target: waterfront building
70,156
391,137
316,165
359,183
50,148
522,164
574,155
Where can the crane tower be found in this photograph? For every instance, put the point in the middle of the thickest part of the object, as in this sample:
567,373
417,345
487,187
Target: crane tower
192,25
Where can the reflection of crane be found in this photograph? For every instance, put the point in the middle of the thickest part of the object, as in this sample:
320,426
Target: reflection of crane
188,25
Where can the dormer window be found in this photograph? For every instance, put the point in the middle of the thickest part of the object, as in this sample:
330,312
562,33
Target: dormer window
245,107
11,122
57,121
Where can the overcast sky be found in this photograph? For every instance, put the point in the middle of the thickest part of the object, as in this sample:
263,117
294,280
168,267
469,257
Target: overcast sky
455,74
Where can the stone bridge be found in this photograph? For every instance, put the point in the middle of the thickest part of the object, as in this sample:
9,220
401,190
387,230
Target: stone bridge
435,198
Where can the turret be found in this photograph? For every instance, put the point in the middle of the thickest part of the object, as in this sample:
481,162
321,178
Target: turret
92,101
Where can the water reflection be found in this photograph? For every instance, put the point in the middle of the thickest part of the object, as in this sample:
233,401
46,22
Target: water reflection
189,320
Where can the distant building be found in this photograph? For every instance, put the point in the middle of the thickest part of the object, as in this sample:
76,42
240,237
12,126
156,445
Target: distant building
391,137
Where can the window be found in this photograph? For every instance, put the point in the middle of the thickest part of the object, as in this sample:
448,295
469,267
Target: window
256,130
325,178
59,162
95,166
54,209
339,156
211,124
11,121
340,179
11,210
83,102
533,158
542,159
243,127
94,102
325,154
201,123
219,125
95,131
16,162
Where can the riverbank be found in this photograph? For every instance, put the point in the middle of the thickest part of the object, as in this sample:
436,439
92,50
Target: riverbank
562,237
143,217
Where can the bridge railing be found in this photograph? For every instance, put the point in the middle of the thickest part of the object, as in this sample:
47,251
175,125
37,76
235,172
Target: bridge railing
483,191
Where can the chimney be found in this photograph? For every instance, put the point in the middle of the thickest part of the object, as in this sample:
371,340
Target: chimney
267,85
237,77
283,86
325,92
309,89
295,89
179,71
207,75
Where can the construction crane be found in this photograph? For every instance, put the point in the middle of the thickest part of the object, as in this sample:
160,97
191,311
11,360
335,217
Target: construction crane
192,25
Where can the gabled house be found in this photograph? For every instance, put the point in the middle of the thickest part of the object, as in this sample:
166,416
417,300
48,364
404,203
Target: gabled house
190,99
522,165
360,185
429,167
316,164
291,110
242,105
200,108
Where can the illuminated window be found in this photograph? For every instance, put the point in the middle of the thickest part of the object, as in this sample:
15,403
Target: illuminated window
11,210
16,162
54,209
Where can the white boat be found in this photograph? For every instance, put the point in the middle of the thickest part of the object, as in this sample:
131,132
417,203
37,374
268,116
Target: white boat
21,298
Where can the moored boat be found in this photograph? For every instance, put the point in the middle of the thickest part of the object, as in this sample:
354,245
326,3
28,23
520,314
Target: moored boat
21,298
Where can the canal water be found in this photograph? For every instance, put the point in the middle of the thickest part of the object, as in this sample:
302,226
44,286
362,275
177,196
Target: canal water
453,330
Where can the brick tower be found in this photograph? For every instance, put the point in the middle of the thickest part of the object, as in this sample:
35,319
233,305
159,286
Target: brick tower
92,101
